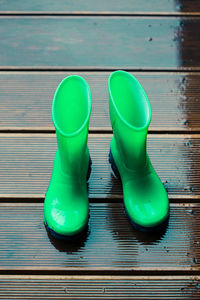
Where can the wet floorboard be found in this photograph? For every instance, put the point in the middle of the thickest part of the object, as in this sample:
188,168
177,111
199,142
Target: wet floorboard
61,42
98,287
110,244
27,160
25,100
104,7
41,43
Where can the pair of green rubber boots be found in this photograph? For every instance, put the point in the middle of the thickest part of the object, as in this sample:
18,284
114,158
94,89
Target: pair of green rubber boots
66,206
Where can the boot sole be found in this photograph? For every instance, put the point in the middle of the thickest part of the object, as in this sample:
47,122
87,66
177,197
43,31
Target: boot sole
61,237
113,165
137,226
75,236
89,169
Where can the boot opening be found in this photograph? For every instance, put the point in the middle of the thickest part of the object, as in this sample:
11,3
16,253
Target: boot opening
130,99
71,107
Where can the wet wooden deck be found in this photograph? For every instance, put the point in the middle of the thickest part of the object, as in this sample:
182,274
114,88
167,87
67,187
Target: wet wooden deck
40,43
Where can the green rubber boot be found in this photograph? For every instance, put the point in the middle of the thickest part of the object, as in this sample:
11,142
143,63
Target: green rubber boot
66,207
145,199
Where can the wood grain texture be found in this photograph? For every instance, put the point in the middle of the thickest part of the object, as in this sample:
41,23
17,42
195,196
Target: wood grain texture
111,243
88,42
99,42
102,6
26,161
99,287
25,100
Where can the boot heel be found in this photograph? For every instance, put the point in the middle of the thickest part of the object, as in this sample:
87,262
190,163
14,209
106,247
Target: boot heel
89,169
113,165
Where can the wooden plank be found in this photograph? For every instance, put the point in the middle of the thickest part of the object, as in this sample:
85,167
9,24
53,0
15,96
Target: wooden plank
103,6
111,245
25,100
99,287
100,43
26,161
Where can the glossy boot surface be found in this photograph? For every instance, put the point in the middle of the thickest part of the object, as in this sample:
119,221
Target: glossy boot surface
145,199
66,207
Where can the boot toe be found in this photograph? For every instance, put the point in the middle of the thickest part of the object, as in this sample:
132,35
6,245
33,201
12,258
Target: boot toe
66,212
67,223
146,202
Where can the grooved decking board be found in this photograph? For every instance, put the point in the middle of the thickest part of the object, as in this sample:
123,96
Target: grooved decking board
25,99
100,42
101,6
26,161
111,244
99,287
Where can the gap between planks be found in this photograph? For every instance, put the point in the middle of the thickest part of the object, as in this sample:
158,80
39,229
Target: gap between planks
97,277
18,204
97,130
36,271
39,198
99,14
104,69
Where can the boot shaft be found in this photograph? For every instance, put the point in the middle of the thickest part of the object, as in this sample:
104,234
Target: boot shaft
71,109
130,115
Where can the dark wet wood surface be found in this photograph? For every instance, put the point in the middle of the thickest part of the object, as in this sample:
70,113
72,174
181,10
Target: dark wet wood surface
25,100
111,244
27,159
100,43
44,41
100,287
112,6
